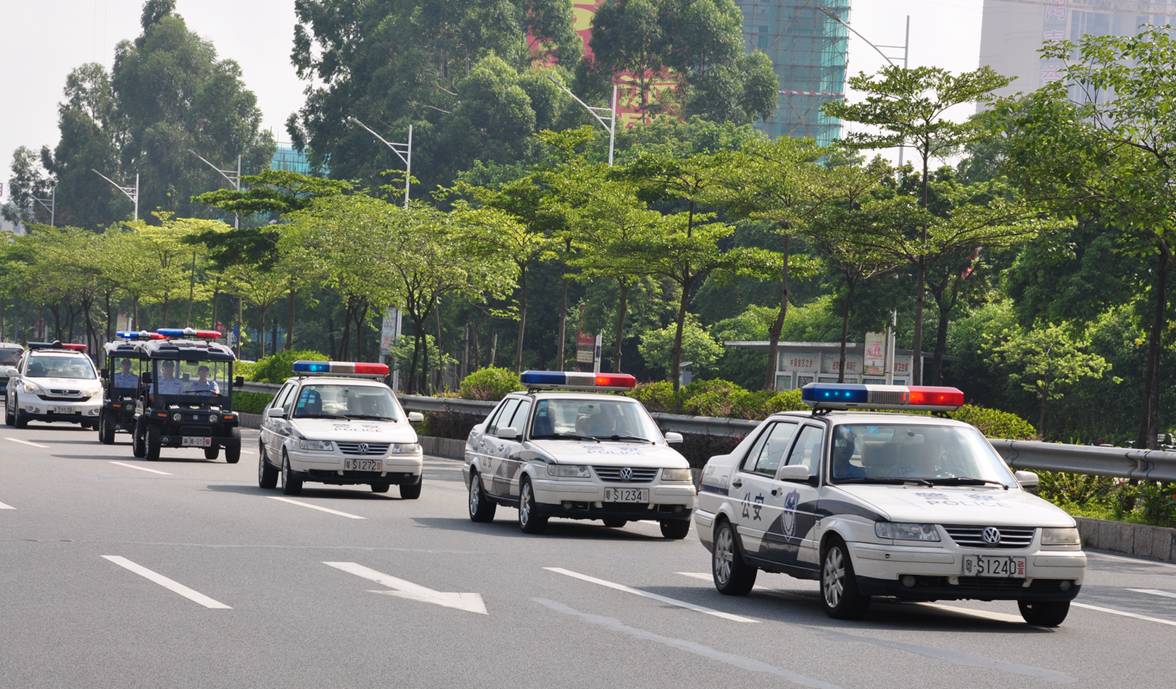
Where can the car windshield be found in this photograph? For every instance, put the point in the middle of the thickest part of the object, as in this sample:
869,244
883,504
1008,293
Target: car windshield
598,419
339,400
198,380
60,366
9,357
920,453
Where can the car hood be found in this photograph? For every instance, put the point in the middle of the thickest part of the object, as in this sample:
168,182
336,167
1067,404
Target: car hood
358,430
605,453
959,505
83,384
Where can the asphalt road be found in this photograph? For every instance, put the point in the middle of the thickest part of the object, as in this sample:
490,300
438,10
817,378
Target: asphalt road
117,572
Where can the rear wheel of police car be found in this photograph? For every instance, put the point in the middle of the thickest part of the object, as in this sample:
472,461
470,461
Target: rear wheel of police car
291,482
18,417
1044,613
139,441
267,474
531,516
105,429
675,529
839,590
233,447
154,440
732,576
481,507
615,523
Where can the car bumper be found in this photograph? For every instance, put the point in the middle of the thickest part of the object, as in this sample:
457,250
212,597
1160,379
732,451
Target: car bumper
53,410
327,467
585,500
919,573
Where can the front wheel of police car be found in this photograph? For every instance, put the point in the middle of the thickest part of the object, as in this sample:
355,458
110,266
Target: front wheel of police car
732,575
531,517
1044,613
481,508
839,589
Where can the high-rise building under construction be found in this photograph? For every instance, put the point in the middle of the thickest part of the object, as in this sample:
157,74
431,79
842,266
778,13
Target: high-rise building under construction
808,47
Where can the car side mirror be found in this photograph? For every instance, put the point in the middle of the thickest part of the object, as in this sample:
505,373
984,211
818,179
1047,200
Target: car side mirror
276,413
507,434
674,438
415,417
797,473
1028,480
239,381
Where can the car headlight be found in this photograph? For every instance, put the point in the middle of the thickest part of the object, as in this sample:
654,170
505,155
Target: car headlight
899,531
404,448
568,470
316,445
32,387
676,475
1064,537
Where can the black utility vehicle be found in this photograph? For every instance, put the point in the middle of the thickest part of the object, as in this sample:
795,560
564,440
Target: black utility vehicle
186,399
125,363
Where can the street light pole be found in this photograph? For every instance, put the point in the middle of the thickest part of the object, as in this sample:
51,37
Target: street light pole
230,176
608,119
402,151
131,193
51,206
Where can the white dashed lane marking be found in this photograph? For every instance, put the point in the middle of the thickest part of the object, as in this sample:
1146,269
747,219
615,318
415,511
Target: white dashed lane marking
1124,613
169,584
6,507
307,505
27,442
653,596
1155,592
133,466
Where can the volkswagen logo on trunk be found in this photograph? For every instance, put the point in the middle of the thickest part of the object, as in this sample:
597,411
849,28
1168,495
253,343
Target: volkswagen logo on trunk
626,474
991,535
363,450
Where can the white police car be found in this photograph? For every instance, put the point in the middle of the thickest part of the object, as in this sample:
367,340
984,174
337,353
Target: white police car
53,382
915,507
335,422
577,454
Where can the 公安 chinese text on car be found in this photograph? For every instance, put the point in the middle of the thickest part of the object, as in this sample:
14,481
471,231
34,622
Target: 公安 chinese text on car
336,422
881,504
563,449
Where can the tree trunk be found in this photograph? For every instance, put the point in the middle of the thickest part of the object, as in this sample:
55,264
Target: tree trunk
291,303
622,308
778,324
676,352
264,312
439,375
1150,419
416,348
845,310
563,323
522,319
940,345
1041,417
215,294
493,347
917,338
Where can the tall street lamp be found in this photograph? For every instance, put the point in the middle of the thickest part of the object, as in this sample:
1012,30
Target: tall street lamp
131,193
402,151
233,178
607,117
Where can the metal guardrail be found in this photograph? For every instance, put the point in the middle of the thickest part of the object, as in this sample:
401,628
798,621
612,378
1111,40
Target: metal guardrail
1123,462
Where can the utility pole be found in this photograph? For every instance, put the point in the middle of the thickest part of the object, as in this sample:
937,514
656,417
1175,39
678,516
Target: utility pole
402,151
607,117
49,204
233,178
131,193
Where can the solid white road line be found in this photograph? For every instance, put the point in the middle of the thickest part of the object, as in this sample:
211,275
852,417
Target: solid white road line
1155,592
316,507
132,466
653,596
701,576
169,584
1124,613
26,442
1133,560
6,507
469,602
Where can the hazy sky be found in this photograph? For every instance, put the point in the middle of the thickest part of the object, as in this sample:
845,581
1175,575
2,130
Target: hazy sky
42,40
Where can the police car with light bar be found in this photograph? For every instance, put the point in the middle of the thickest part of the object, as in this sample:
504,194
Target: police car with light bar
186,396
563,449
337,422
125,362
880,504
53,382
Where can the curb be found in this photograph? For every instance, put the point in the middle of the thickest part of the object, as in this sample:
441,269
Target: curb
1137,540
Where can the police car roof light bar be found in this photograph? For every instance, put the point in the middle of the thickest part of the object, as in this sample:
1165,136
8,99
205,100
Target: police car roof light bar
189,332
132,335
356,369
830,396
57,344
578,380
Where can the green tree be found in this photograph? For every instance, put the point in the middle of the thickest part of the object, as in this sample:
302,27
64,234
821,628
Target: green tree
908,107
1046,361
698,347
29,183
1109,153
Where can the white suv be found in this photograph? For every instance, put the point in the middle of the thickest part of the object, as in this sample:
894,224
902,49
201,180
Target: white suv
53,382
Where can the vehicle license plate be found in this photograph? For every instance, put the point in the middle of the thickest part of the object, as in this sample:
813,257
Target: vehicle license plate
993,566
195,441
363,465
63,410
626,495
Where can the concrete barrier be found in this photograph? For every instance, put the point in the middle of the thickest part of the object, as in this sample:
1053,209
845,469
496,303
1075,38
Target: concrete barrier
1136,540
449,448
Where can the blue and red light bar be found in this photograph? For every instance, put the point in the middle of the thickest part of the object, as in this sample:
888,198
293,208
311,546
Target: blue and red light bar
132,335
70,346
870,396
189,332
341,368
578,380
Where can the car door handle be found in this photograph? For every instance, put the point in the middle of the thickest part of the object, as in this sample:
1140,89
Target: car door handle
737,483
